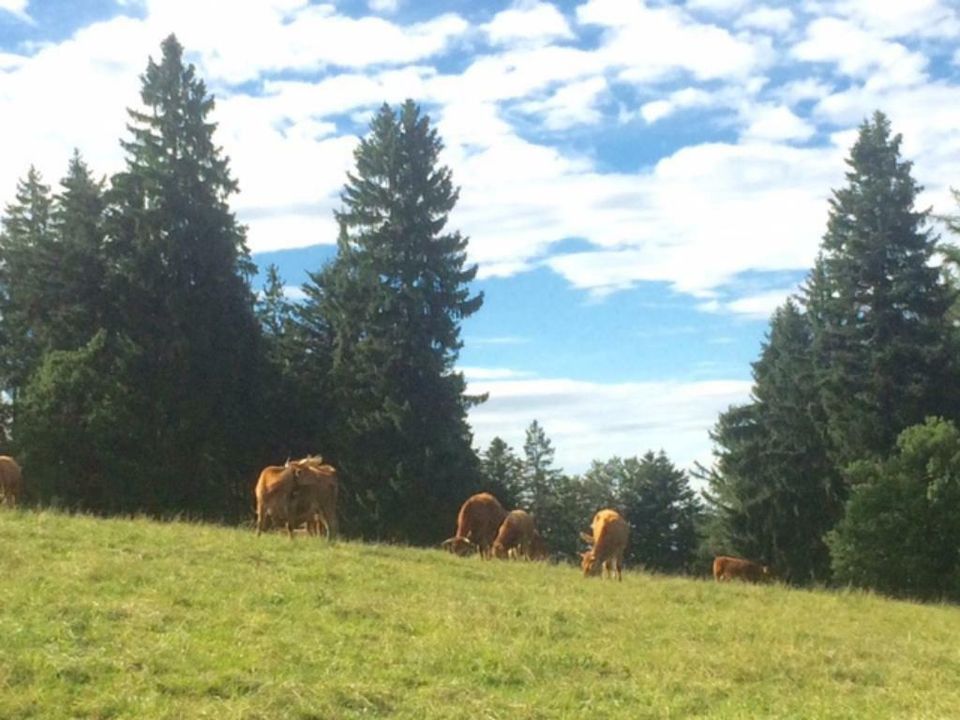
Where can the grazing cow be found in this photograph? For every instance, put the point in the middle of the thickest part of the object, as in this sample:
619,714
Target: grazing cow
538,548
11,480
316,494
731,568
515,536
477,525
609,541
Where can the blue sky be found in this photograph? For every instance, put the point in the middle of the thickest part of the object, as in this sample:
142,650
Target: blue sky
642,182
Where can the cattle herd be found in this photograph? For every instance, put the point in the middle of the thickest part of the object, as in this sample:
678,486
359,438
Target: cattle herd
304,492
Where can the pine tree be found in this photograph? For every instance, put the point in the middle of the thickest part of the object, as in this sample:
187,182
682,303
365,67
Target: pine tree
776,491
26,255
501,471
181,276
663,510
394,298
77,299
879,305
539,473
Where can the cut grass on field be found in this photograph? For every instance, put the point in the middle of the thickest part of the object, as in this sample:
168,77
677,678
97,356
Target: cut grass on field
138,619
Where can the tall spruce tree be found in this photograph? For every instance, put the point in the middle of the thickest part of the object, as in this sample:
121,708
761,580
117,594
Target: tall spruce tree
775,492
182,279
879,305
394,298
26,253
663,510
501,471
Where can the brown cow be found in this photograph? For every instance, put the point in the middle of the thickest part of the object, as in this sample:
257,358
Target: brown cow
515,536
538,548
609,541
731,568
279,495
11,480
316,495
477,525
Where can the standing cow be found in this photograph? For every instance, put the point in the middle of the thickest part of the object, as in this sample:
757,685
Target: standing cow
731,568
11,480
478,522
279,495
316,494
610,533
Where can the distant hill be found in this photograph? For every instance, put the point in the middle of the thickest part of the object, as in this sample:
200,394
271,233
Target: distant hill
109,618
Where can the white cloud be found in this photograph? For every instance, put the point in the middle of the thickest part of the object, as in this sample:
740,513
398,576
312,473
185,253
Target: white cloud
860,54
764,17
384,6
758,307
588,421
924,18
478,373
648,44
17,8
776,122
678,100
528,21
717,6
573,104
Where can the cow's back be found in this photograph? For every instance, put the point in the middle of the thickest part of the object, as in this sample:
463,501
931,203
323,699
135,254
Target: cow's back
516,530
480,518
731,568
321,488
610,535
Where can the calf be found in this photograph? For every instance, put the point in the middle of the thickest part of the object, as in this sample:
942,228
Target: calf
610,533
731,568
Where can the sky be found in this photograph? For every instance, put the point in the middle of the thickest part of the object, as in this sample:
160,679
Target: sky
642,183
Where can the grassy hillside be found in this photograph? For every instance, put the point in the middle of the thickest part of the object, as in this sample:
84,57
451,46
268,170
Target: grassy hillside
135,619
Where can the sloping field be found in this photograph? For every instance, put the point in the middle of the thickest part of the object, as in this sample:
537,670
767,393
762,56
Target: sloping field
136,619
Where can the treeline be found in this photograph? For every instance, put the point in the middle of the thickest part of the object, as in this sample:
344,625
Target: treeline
844,466
140,373
665,513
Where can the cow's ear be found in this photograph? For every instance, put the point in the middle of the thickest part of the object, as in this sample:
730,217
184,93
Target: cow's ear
587,538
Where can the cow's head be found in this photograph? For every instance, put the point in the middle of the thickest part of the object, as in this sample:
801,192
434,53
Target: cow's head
588,563
500,550
458,545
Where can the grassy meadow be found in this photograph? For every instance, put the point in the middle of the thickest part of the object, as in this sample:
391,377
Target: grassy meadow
138,619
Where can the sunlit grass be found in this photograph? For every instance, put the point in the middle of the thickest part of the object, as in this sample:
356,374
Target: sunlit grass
136,619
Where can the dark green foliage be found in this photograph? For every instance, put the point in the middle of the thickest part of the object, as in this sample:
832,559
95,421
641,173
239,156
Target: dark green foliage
539,475
663,510
27,251
296,405
79,426
878,305
901,533
501,470
393,300
871,353
774,491
128,321
182,281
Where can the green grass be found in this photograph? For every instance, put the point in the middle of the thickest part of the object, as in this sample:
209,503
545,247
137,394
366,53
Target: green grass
136,619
